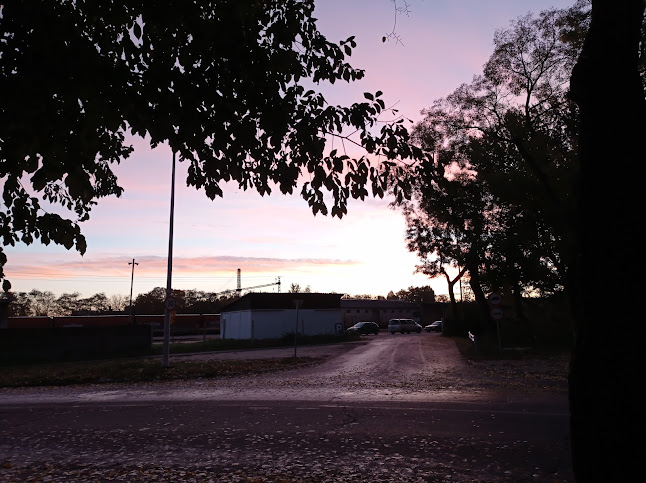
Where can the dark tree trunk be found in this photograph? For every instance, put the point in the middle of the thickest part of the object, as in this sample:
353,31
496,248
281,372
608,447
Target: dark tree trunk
607,371
517,293
481,299
451,284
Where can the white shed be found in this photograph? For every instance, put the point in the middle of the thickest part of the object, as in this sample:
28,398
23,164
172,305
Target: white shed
273,315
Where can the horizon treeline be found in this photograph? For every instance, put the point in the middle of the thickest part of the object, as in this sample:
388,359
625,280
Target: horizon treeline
192,301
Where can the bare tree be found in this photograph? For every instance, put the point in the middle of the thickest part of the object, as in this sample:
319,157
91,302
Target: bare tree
118,302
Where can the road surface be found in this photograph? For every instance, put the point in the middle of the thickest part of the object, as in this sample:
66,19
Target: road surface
396,408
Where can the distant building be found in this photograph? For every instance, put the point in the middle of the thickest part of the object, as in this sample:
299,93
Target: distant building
273,315
381,311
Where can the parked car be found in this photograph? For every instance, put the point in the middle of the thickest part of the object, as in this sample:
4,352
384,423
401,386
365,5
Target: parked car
403,326
434,327
364,328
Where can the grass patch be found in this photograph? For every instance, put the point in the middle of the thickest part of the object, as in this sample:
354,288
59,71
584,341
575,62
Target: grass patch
212,345
33,373
243,344
140,370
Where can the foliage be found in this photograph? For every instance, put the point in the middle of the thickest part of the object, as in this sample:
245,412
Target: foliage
364,296
414,294
39,303
119,302
152,302
222,82
200,302
186,301
190,301
68,303
296,288
498,197
33,303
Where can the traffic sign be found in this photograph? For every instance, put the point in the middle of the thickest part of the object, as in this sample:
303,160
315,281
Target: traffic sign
170,303
496,314
495,298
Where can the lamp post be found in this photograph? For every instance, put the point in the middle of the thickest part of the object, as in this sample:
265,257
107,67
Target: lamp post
169,303
132,279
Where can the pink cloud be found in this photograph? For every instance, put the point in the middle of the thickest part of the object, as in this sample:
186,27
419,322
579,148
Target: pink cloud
155,265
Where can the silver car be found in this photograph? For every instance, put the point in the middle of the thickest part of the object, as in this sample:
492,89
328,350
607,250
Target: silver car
403,326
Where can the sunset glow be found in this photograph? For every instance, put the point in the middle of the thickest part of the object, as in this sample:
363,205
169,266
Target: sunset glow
443,44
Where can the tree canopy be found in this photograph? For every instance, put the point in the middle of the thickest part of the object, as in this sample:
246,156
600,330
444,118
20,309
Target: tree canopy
190,301
222,82
39,303
498,197
413,294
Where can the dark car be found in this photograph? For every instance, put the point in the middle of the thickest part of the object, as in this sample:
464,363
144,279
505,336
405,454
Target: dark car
434,327
364,328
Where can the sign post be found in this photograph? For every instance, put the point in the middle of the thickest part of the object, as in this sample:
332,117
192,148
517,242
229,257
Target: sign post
495,298
170,303
496,313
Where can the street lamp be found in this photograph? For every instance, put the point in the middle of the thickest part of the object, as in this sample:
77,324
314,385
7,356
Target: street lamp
132,279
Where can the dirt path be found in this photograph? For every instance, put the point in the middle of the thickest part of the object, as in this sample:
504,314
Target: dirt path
424,367
411,364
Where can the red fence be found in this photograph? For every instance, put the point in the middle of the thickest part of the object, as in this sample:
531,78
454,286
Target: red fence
184,321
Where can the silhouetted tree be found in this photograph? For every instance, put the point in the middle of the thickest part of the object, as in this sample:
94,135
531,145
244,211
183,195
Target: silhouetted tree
42,302
150,303
497,198
364,296
189,301
37,302
417,294
68,303
118,302
199,302
222,82
95,304
19,304
436,264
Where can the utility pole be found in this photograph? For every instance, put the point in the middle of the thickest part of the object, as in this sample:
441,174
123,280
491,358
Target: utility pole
170,302
132,279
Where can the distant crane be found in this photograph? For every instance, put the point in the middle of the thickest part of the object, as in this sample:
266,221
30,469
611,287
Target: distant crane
239,289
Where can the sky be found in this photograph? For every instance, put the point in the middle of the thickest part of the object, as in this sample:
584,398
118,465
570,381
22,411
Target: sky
442,44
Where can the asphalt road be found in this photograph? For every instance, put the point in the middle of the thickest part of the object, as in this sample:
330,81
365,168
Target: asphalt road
396,408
